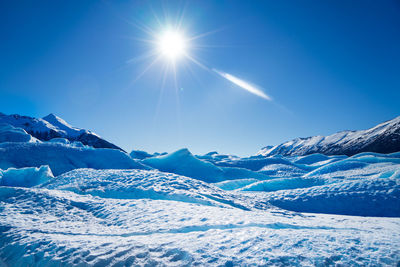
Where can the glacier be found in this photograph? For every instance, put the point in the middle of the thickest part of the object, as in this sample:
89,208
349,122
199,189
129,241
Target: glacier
66,203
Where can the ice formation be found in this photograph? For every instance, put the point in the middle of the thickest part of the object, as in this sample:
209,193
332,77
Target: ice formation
62,158
103,207
25,177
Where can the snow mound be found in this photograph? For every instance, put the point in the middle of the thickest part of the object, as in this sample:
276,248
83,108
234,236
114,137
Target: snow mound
317,159
342,165
311,159
136,184
390,174
368,197
139,154
40,227
25,177
9,133
283,184
377,159
184,163
258,163
390,155
62,158
282,170
235,184
355,168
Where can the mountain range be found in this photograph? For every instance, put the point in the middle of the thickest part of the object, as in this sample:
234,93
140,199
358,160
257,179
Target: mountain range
51,126
383,138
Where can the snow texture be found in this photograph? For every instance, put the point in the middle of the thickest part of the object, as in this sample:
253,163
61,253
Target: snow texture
62,158
184,163
9,133
25,177
104,207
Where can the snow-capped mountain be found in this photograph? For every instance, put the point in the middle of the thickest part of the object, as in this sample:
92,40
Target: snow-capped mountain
51,126
383,138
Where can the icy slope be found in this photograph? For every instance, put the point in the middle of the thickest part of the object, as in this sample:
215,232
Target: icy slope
184,163
25,177
383,138
368,197
9,133
62,158
135,184
52,126
105,208
40,227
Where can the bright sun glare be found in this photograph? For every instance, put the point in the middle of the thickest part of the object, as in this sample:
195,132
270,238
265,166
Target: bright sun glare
172,44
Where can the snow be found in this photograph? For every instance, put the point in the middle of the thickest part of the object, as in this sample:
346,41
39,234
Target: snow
51,127
44,227
62,158
282,170
134,184
381,138
28,123
104,207
25,177
64,126
235,184
9,133
369,197
284,183
185,163
139,154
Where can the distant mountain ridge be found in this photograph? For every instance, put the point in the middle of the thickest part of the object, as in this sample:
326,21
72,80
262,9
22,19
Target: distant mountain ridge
383,138
51,126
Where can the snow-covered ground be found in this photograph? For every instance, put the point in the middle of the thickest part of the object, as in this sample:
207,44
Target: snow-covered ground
64,204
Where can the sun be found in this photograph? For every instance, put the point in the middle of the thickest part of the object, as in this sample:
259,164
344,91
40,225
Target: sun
172,45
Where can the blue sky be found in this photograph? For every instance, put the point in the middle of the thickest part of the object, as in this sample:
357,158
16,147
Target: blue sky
328,65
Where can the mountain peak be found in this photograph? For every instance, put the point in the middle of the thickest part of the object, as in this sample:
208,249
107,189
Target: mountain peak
52,126
382,138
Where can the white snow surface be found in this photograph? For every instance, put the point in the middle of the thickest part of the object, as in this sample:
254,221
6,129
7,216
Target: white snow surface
25,177
9,133
184,163
63,157
104,208
43,227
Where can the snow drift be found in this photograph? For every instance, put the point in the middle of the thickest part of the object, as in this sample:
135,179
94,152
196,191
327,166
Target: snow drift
25,177
370,197
184,163
62,158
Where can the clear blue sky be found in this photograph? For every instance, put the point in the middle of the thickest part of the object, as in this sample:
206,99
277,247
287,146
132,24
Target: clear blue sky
329,66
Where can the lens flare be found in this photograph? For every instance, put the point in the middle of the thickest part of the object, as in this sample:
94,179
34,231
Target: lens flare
242,84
